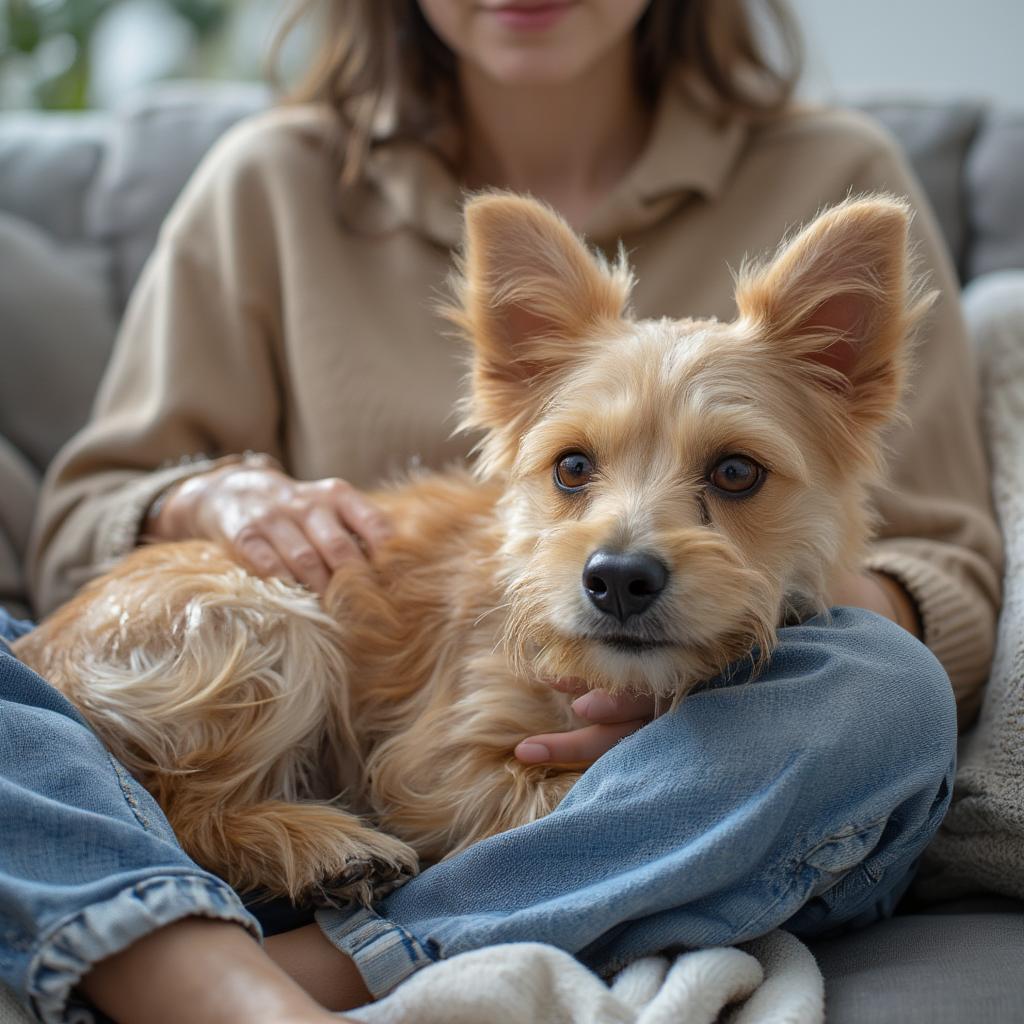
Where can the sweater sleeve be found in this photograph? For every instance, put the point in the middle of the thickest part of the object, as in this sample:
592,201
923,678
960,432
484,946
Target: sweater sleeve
938,534
192,378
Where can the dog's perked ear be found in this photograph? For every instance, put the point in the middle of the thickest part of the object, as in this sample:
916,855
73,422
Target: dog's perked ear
529,295
838,298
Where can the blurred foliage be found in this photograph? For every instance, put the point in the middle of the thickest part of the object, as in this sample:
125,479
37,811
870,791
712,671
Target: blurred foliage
67,27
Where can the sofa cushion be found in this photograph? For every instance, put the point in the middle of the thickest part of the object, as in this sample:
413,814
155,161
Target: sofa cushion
940,968
57,332
19,488
47,166
995,195
936,138
158,140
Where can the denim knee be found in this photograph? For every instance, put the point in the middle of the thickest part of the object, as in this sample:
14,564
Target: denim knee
905,714
854,720
891,748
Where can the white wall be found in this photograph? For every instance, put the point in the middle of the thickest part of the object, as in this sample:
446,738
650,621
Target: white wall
914,48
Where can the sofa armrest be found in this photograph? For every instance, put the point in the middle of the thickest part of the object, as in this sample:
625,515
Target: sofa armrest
19,488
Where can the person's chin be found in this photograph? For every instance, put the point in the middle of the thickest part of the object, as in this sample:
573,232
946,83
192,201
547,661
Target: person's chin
531,68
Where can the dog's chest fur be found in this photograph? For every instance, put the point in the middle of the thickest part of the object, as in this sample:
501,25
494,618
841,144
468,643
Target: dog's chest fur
435,697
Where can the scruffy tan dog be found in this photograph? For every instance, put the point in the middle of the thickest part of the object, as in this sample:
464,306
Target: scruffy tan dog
652,498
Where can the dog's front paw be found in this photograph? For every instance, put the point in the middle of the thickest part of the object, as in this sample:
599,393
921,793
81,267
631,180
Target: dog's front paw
308,852
368,875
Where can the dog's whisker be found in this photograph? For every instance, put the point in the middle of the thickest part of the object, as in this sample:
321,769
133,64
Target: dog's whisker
491,611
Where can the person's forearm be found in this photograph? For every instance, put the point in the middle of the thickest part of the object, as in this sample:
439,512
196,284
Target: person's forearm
326,973
200,971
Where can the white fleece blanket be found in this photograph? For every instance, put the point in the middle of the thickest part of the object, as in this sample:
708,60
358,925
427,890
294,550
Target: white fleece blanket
980,847
773,980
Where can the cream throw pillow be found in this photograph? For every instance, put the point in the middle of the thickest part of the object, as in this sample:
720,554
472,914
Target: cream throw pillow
980,847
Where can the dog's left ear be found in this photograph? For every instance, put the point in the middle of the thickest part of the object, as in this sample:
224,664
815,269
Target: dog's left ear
529,298
837,299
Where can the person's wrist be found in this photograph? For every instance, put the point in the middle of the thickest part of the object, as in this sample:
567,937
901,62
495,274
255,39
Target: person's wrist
904,609
157,524
173,514
177,513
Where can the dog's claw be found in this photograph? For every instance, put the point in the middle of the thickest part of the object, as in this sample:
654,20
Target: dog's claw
366,881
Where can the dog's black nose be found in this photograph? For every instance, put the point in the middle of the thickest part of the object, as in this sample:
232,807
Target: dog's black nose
623,584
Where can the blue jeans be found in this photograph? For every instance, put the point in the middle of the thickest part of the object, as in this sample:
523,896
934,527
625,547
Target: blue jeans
88,863
802,798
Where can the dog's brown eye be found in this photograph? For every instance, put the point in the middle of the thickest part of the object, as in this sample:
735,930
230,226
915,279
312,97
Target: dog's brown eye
573,471
736,476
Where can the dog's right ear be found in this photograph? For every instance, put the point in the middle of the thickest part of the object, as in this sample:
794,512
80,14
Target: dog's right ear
529,296
838,300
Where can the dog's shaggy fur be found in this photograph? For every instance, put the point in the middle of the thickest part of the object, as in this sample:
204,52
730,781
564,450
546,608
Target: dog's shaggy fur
320,749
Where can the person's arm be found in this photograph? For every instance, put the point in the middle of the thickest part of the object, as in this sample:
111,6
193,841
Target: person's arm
194,387
192,378
880,594
938,539
203,972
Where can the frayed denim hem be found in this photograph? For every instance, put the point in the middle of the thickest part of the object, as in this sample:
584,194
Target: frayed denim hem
75,944
384,954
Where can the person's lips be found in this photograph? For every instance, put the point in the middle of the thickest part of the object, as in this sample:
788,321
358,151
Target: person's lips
523,16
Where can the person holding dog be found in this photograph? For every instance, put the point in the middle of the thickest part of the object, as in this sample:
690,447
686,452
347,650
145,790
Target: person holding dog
287,313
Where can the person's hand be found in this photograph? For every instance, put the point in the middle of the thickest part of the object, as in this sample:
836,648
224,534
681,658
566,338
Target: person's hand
612,718
877,593
273,524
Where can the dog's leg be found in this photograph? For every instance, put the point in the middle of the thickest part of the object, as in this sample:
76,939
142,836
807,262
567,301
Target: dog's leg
515,794
480,793
227,697
450,778
305,851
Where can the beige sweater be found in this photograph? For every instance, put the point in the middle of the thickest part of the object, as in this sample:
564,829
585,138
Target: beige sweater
283,315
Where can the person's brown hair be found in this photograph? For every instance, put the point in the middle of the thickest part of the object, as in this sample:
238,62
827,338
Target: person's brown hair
381,54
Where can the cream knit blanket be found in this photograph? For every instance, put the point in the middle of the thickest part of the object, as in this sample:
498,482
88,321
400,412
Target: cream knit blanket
773,980
981,844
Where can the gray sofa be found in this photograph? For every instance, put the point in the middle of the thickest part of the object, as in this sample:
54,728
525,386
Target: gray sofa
81,200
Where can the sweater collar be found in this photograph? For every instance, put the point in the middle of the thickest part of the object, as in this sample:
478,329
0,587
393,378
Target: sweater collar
689,152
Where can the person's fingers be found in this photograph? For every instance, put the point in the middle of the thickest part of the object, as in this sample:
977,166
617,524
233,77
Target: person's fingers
601,706
579,746
258,554
335,544
297,552
362,516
